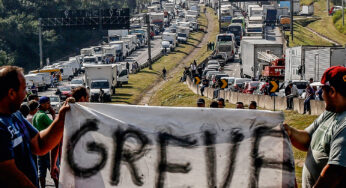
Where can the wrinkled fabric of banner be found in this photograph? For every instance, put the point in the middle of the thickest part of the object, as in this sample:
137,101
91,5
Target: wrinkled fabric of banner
108,145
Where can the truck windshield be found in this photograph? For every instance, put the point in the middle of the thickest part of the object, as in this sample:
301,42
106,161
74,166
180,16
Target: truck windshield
224,38
237,21
98,85
225,48
114,38
181,35
255,29
89,60
234,29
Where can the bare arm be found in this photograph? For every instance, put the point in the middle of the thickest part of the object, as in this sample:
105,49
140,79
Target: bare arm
47,139
299,138
11,176
331,176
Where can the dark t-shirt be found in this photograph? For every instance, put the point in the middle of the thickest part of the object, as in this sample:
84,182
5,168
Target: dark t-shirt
15,136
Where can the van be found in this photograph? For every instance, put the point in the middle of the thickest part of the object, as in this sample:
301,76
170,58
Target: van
37,80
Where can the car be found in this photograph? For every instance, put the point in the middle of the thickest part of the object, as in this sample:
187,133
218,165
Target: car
55,103
213,62
64,92
212,66
208,70
250,86
76,83
238,84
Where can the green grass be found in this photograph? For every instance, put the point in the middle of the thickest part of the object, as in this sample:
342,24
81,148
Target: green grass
302,36
325,25
337,20
141,82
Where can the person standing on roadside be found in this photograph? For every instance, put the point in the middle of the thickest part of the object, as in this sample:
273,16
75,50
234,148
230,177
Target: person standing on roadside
325,139
221,102
200,103
41,121
240,105
309,95
164,72
19,139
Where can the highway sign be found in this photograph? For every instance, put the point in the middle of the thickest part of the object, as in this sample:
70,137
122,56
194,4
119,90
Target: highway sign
224,83
198,80
88,19
274,86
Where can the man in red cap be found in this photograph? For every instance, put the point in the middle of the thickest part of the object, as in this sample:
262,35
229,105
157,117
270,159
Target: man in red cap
325,139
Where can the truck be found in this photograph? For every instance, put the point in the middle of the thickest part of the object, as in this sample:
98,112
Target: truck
37,80
254,20
305,62
255,30
284,22
132,42
256,11
307,10
171,38
157,19
287,4
87,52
249,7
249,57
110,52
99,77
225,45
281,11
270,18
183,34
121,49
271,66
237,30
122,74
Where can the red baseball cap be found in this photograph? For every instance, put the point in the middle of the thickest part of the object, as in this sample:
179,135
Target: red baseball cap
334,76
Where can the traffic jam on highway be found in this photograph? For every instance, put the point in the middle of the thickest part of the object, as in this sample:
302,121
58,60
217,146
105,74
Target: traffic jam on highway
250,56
105,67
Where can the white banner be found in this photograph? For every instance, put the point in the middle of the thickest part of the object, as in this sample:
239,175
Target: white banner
109,145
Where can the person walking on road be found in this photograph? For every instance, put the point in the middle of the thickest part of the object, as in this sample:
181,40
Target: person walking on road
325,139
101,95
164,72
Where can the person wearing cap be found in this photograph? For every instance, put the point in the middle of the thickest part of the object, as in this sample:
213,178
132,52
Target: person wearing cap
200,103
41,121
221,102
19,140
325,139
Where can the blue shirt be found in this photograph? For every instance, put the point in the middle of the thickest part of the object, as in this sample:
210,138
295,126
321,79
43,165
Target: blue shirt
15,136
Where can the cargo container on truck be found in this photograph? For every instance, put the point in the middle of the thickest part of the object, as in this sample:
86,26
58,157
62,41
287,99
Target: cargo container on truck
171,38
249,57
305,62
87,51
101,77
183,34
121,49
226,45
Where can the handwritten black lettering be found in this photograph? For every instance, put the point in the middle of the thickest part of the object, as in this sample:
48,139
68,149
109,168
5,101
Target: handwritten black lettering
163,165
127,156
89,125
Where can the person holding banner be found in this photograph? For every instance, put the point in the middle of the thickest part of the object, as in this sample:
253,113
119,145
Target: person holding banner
325,139
18,138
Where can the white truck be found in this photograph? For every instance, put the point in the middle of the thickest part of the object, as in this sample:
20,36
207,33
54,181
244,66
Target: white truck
183,34
99,77
305,62
110,51
157,18
121,49
66,72
255,11
122,74
87,52
255,30
120,32
249,57
133,42
37,80
171,38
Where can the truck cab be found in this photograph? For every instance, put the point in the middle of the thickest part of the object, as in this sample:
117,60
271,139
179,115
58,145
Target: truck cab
255,30
226,43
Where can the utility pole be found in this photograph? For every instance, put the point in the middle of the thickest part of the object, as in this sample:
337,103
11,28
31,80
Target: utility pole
343,10
220,16
147,19
291,23
40,42
328,8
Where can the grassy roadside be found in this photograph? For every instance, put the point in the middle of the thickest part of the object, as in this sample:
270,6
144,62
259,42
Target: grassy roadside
144,80
175,93
302,36
325,25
